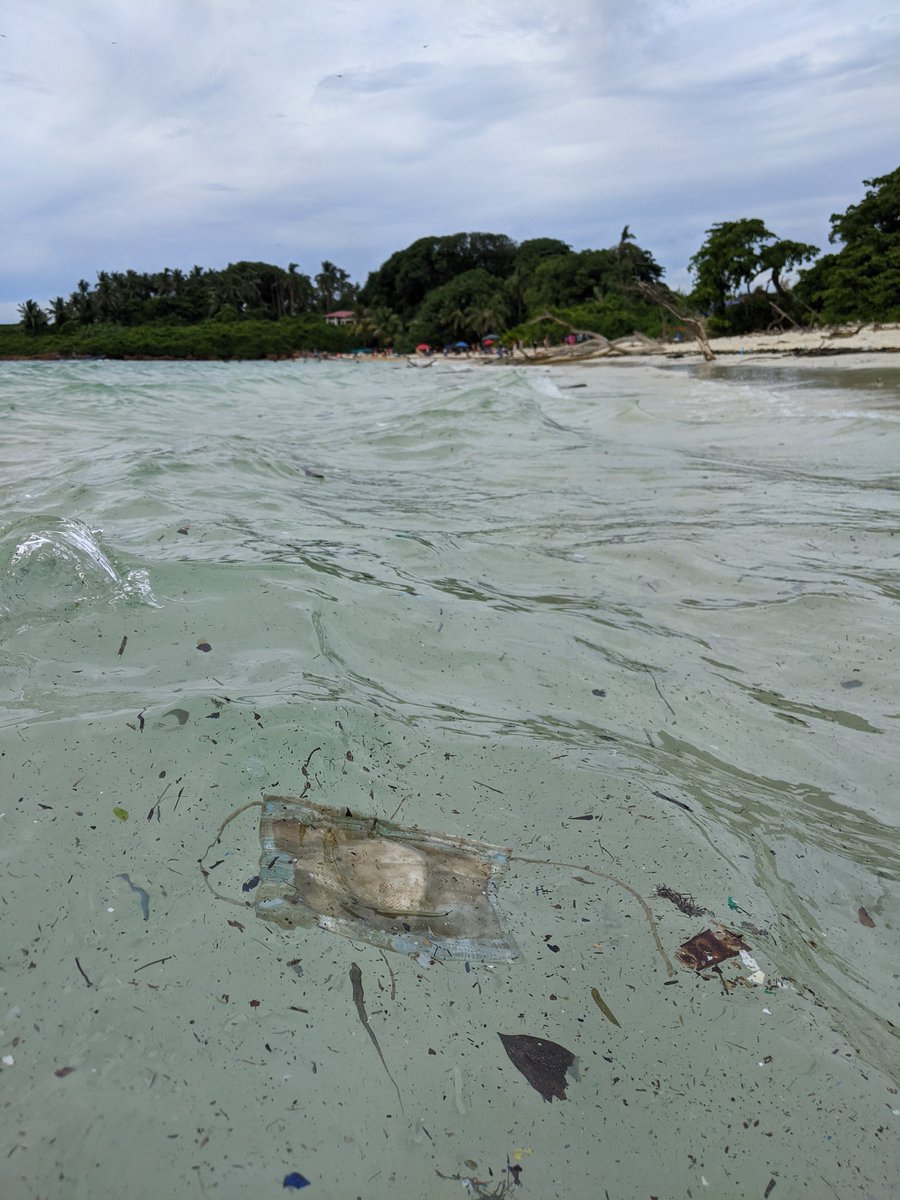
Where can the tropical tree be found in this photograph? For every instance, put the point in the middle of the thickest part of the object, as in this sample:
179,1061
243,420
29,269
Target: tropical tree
408,276
734,257
33,319
379,326
862,279
334,288
299,291
59,311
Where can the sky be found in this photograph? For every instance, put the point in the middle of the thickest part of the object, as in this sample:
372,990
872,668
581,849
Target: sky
143,134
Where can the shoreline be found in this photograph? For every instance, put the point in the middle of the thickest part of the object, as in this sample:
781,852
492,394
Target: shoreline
845,343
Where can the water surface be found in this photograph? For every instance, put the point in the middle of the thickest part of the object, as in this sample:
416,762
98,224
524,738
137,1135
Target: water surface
491,602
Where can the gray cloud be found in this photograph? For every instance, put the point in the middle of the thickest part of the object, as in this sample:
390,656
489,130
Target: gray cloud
177,132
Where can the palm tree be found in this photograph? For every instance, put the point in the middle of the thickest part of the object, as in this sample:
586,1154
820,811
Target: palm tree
80,303
380,325
59,311
483,317
33,317
300,291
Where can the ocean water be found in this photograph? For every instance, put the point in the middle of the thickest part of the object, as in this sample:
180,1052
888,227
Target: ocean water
636,620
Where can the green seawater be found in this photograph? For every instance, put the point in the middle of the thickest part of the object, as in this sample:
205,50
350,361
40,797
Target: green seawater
488,602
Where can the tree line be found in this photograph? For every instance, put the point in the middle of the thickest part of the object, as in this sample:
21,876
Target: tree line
460,288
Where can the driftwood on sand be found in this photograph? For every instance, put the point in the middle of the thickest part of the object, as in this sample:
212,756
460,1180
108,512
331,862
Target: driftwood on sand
657,293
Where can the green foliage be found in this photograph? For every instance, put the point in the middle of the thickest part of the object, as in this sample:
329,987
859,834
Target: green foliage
861,281
616,315
408,276
215,339
733,257
465,309
33,317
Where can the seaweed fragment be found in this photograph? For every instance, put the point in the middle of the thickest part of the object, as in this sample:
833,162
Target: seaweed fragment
685,904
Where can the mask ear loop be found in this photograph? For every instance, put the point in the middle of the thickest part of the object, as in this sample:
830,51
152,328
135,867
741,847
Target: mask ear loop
549,862
203,871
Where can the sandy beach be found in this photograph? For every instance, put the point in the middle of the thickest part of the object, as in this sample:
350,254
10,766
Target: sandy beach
848,342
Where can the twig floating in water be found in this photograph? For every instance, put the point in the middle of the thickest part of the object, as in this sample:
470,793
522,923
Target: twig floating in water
122,645
672,800
659,693
153,964
549,862
83,976
359,1001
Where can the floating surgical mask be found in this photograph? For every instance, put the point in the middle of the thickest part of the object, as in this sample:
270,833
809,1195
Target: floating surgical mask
373,881
401,889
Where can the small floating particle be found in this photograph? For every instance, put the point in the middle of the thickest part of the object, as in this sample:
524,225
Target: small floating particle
255,1003
295,1180
598,692
62,1072
204,646
8,1060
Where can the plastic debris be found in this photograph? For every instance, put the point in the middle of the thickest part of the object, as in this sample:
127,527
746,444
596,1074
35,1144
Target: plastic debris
543,1063
377,882
707,949
295,1180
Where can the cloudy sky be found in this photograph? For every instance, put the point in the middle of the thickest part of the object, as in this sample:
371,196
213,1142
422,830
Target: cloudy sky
151,133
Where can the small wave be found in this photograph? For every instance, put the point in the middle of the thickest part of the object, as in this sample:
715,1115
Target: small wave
60,565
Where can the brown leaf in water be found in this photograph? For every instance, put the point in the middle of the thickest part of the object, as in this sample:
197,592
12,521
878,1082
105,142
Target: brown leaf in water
865,919
543,1063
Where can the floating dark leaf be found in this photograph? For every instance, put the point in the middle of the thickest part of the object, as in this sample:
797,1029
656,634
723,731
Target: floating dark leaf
865,919
543,1063
250,884
706,949
62,1072
204,646
852,683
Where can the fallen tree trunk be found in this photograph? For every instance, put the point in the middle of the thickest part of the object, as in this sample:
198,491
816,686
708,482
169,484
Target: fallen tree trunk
696,322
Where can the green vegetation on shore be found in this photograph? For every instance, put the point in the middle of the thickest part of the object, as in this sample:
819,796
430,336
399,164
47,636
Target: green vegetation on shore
462,287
